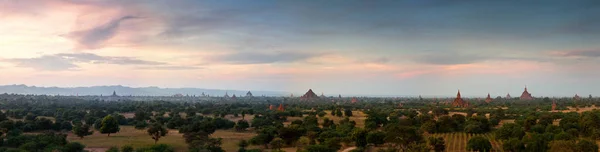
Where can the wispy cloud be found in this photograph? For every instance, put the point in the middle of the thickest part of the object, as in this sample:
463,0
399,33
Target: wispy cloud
265,58
578,53
68,61
95,37
170,67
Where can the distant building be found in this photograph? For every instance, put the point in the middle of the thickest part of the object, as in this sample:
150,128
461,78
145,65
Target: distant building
226,95
576,97
280,108
553,105
459,102
526,95
114,94
354,100
508,96
488,99
309,95
249,94
233,97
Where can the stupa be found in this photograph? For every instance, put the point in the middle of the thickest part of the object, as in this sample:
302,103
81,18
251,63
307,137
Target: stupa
553,105
309,95
526,95
354,100
459,102
249,94
271,107
576,97
226,95
233,97
280,108
508,96
114,94
488,99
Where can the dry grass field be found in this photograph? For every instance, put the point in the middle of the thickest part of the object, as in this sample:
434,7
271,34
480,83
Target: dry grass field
456,142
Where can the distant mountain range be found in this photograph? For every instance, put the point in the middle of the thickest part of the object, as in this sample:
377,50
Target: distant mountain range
126,91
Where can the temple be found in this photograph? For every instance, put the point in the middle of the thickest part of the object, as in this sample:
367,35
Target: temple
322,95
114,94
526,95
280,108
354,100
249,94
309,95
553,105
271,107
576,97
508,96
488,99
459,102
226,95
233,97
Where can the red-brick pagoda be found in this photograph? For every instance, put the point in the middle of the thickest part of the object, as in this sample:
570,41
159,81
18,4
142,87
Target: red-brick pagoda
488,99
459,102
526,95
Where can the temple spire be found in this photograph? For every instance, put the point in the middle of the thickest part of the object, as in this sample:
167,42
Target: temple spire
458,94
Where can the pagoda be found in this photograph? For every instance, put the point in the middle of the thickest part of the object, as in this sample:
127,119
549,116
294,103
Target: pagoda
553,105
309,95
488,99
526,95
354,100
114,94
459,102
271,107
576,97
233,97
322,95
508,96
280,108
226,95
249,94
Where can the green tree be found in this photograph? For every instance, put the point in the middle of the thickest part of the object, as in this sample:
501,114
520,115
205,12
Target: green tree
513,145
109,125
113,149
510,130
348,112
360,137
156,131
127,148
277,143
437,144
563,146
587,146
479,144
242,125
376,138
82,130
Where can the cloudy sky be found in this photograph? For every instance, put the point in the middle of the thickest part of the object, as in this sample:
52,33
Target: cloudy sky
381,47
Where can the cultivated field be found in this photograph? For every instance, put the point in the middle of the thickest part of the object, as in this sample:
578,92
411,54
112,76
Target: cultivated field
457,142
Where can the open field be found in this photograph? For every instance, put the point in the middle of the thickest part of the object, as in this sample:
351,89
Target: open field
456,142
357,116
129,136
139,138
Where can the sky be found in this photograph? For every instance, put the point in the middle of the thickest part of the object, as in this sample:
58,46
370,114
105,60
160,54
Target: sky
348,47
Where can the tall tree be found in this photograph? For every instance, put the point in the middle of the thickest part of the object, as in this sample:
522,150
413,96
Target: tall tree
82,130
157,130
437,144
479,144
109,125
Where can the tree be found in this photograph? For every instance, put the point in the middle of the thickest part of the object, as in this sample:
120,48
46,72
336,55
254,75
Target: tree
360,137
74,147
429,127
141,125
437,144
348,112
376,138
513,145
338,113
277,143
563,146
113,149
109,125
82,130
510,130
156,131
587,146
479,144
126,148
319,148
402,136
241,125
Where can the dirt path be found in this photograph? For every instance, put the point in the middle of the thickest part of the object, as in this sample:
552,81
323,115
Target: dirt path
348,149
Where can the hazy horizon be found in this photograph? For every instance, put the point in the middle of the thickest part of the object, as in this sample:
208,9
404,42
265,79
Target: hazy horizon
428,48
